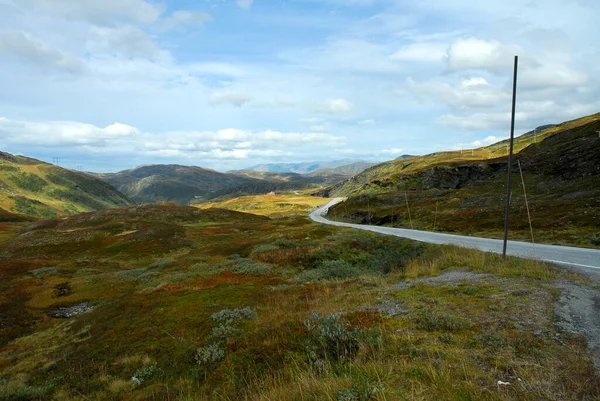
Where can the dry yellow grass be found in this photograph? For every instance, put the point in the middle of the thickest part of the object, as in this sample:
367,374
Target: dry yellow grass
269,205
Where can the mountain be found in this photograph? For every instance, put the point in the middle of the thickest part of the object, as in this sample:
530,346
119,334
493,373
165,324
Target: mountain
464,191
307,167
347,170
30,187
190,184
171,183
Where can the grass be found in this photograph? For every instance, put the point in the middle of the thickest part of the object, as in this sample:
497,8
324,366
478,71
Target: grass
225,305
279,205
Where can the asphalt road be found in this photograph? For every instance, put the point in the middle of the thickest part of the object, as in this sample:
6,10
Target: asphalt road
581,258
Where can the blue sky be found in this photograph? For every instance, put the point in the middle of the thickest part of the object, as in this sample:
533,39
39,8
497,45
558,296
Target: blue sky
226,84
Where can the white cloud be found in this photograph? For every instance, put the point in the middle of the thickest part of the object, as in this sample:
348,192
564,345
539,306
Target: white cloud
492,121
336,106
471,93
427,52
182,18
285,101
125,41
86,139
551,75
245,3
319,128
392,151
310,120
24,46
105,12
473,53
237,99
366,122
64,133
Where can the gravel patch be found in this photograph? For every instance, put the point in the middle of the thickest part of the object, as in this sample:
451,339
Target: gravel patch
453,277
578,312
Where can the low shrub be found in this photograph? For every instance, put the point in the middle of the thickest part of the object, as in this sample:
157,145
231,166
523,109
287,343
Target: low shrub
264,248
433,321
330,270
232,315
44,271
209,355
595,239
246,266
146,373
331,337
362,391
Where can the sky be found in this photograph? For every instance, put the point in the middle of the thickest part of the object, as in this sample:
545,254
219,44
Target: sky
225,84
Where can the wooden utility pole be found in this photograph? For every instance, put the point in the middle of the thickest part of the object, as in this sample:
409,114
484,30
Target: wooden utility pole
510,154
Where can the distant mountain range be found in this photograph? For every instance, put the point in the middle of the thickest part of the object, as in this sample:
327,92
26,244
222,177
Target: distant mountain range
185,184
30,188
353,166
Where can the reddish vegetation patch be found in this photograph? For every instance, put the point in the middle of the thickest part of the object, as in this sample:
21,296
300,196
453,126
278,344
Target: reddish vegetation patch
20,266
8,348
364,319
224,278
284,257
219,230
466,213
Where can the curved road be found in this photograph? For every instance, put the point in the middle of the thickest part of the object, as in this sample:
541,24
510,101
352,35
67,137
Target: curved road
564,255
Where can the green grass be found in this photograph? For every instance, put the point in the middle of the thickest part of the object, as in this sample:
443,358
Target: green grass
224,310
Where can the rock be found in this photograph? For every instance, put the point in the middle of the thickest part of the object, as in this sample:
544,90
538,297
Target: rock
70,311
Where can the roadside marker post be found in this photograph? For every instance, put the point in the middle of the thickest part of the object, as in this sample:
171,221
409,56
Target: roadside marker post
510,156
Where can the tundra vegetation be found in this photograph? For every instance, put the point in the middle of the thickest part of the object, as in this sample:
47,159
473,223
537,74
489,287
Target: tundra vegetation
173,302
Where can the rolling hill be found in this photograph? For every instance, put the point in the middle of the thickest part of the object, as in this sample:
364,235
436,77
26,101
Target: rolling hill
32,188
190,184
184,184
464,192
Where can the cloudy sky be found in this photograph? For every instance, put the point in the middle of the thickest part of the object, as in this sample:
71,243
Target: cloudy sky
226,84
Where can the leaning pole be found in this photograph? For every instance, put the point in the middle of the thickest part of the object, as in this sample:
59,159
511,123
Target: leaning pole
510,156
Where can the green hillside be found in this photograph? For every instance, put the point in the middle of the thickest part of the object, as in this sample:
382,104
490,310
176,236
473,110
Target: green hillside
33,188
464,193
